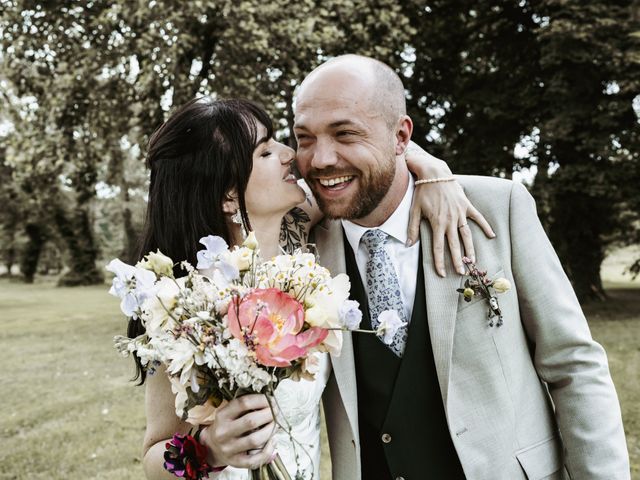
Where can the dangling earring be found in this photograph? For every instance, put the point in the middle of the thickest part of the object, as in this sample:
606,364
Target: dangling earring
237,219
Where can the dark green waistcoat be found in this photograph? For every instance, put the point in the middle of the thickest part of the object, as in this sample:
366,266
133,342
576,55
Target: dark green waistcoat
403,429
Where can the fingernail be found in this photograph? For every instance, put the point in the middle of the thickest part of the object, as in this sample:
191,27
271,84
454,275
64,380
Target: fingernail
460,270
493,234
473,260
408,243
273,456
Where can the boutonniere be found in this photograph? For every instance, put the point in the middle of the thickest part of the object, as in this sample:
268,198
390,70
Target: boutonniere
478,284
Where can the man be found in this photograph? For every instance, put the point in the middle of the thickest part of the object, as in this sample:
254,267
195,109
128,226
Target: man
451,397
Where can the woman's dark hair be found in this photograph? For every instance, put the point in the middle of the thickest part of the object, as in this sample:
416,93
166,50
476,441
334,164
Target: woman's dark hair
197,157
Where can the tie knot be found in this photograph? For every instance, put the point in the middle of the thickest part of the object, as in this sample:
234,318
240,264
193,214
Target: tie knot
374,239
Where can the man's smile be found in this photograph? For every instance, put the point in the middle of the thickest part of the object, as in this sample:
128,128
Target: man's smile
336,182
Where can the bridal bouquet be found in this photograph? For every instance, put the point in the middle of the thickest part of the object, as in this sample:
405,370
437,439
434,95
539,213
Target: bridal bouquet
233,325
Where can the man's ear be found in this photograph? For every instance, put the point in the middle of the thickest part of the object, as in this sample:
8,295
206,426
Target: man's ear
230,204
404,129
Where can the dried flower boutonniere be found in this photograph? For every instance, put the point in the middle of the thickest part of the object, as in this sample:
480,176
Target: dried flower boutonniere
480,285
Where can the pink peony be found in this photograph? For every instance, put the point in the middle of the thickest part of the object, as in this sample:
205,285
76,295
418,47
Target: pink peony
269,322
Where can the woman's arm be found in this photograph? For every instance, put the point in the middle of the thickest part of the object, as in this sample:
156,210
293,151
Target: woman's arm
240,436
162,423
445,206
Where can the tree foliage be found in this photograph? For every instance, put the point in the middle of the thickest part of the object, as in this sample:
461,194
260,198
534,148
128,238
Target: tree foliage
558,79
493,86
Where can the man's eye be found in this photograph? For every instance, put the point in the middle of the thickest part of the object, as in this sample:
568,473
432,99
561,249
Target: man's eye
344,133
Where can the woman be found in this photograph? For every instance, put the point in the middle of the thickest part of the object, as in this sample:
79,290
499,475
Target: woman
216,170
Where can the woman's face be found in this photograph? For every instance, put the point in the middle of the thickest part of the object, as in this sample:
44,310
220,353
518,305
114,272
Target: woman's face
273,188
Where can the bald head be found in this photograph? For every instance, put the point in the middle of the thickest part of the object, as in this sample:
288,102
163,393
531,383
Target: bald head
352,133
380,85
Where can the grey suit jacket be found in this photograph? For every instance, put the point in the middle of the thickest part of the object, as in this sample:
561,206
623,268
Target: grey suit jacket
532,399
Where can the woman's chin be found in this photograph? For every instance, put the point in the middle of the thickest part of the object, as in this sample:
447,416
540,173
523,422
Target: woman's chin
300,198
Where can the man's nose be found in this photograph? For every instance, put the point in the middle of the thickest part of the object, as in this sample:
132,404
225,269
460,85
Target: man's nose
324,156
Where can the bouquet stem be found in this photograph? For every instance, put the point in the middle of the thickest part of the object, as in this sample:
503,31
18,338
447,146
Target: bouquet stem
271,471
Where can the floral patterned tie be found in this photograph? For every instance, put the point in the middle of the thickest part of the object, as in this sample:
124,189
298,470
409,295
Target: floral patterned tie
383,285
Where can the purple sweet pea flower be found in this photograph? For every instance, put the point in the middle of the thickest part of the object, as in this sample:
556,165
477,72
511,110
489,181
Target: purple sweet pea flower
350,314
131,284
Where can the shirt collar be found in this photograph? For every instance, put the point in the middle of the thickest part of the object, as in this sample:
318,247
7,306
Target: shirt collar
395,226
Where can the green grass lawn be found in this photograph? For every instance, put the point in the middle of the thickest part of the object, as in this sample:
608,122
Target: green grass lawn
69,410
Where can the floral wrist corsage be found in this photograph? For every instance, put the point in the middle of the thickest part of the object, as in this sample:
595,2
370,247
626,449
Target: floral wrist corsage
480,285
186,457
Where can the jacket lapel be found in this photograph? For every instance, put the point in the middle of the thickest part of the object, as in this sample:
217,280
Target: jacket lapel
329,240
442,306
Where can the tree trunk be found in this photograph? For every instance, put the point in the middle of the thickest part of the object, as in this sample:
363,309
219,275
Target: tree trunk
129,252
10,252
75,229
32,251
10,259
576,233
290,115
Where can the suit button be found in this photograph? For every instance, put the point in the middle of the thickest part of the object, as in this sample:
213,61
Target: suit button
386,438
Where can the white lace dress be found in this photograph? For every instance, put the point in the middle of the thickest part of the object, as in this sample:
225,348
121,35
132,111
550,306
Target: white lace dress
300,404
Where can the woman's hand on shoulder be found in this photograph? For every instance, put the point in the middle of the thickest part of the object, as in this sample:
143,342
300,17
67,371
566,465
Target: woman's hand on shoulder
446,207
241,435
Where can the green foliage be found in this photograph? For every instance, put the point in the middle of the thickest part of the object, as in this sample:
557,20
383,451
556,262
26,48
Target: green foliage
559,77
591,74
87,83
474,84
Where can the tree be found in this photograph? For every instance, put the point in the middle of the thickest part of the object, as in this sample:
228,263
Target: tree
101,77
558,76
586,122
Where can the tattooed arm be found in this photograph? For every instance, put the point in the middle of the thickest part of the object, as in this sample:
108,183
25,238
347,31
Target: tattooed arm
297,224
294,229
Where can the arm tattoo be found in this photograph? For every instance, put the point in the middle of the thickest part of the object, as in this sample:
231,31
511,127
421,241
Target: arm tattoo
293,231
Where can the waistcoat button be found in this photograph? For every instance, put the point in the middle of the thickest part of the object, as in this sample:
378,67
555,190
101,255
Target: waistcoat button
386,438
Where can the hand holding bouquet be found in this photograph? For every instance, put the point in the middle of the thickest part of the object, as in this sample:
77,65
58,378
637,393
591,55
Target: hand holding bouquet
232,326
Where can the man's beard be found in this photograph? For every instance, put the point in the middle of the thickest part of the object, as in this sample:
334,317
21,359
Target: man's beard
371,190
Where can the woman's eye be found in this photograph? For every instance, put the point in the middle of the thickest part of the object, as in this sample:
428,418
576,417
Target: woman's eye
266,153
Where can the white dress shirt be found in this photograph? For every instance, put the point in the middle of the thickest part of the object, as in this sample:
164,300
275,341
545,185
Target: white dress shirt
405,259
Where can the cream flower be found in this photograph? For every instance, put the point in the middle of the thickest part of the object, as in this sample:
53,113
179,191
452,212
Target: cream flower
158,263
325,303
156,308
251,242
501,285
203,414
240,258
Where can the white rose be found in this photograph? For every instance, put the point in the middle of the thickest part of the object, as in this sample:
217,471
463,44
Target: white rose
309,367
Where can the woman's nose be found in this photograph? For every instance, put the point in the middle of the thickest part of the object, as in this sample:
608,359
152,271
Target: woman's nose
287,156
